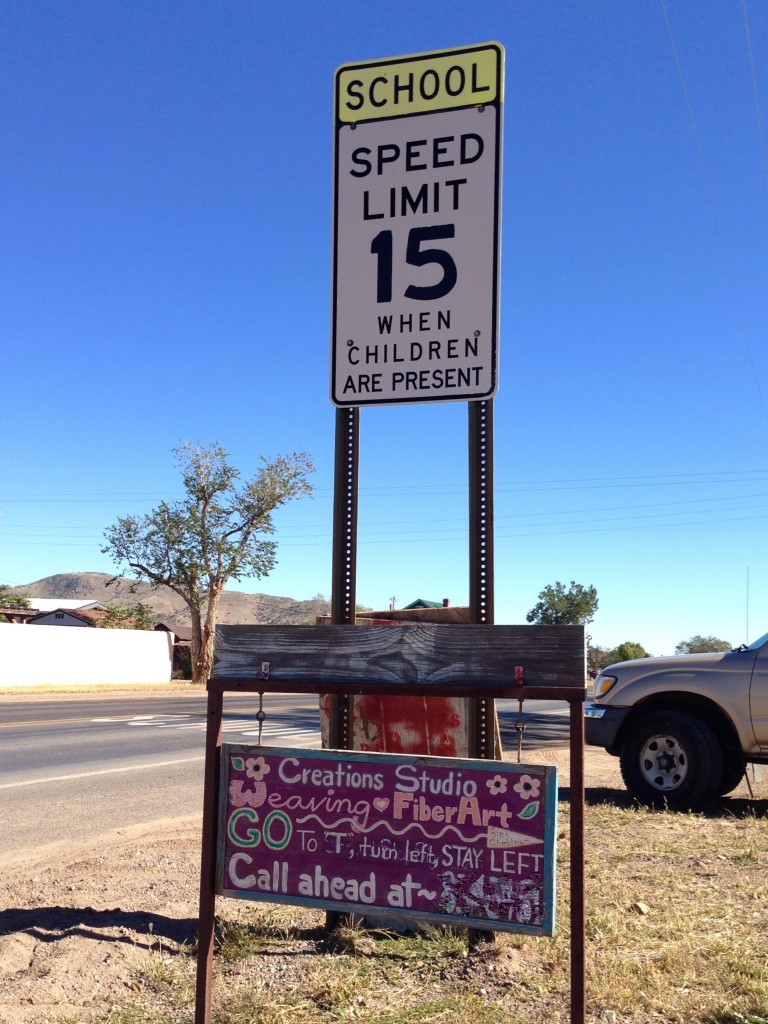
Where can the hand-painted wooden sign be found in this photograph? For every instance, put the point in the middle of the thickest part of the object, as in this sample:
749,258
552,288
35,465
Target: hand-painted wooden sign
446,841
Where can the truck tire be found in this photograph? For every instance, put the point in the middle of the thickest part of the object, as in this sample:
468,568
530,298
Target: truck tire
672,759
733,772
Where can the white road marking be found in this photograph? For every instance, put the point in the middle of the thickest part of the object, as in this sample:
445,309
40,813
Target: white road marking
268,737
188,722
102,771
160,720
245,726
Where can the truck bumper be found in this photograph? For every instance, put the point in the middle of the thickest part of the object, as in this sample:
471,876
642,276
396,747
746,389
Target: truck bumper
602,725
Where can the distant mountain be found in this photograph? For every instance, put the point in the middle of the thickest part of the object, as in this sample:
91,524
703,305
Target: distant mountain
235,606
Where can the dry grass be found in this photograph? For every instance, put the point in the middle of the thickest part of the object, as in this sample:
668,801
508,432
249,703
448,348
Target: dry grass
677,932
678,916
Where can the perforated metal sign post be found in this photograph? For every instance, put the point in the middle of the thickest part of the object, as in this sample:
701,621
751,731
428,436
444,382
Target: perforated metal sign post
417,195
415,303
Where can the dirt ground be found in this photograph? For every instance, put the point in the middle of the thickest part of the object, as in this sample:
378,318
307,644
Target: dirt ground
78,922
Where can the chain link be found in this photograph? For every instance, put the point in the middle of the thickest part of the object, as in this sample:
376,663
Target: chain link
520,729
260,716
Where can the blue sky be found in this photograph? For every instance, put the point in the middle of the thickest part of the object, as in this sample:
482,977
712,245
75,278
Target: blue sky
165,243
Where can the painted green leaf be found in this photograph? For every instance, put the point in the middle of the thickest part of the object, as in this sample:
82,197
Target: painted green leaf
530,810
238,764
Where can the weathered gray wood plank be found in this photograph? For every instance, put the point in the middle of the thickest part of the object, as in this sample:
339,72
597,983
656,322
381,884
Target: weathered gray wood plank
433,654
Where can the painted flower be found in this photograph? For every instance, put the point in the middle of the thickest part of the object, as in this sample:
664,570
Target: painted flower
239,796
528,787
256,768
496,785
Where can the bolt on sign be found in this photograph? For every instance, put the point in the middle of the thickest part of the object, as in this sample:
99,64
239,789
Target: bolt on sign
447,841
417,195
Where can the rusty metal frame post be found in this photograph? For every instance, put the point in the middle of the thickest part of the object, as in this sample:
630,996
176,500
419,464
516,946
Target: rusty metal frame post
481,578
344,580
577,853
207,911
216,690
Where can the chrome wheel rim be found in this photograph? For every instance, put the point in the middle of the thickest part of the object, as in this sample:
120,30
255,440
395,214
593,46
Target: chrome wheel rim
663,762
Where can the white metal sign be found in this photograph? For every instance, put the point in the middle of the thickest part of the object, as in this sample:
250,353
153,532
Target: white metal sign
416,228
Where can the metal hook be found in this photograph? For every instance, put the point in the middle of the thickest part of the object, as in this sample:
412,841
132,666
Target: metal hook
520,729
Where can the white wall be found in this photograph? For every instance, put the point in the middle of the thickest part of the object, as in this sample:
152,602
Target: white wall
59,655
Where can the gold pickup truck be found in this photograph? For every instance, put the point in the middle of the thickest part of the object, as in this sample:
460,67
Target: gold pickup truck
684,727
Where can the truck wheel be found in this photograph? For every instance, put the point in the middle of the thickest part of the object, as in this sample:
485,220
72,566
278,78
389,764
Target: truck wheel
672,759
733,773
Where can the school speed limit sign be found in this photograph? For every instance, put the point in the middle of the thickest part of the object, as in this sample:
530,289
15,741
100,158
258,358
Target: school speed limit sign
417,195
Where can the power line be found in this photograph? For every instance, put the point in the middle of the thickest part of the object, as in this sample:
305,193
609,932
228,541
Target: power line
7,530
724,477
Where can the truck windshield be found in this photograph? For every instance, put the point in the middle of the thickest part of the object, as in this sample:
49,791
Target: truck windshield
758,643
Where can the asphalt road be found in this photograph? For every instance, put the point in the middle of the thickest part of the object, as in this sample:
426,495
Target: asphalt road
70,769
74,768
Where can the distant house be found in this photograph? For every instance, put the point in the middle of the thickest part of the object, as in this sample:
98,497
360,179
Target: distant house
181,634
419,610
182,647
68,617
55,611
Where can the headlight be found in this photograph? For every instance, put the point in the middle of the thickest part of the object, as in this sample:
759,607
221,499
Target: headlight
603,684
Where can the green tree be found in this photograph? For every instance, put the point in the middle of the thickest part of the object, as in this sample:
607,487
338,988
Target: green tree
627,651
9,599
702,645
120,616
557,606
212,535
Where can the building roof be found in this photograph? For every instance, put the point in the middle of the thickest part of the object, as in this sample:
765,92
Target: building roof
18,614
57,604
182,633
421,603
455,613
89,616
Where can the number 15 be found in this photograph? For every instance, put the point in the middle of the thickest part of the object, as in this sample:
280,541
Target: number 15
381,246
